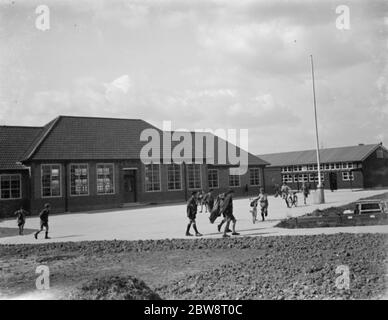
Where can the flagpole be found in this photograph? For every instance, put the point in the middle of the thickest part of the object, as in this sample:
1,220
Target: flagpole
320,191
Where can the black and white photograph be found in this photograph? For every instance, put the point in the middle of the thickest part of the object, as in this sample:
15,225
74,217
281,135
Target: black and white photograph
203,152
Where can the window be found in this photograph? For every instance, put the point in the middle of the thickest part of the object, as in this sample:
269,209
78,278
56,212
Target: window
327,166
344,165
303,177
105,179
315,166
332,166
51,180
234,180
338,166
212,176
313,177
174,177
254,176
194,176
79,179
10,186
304,168
287,178
152,177
347,176
310,167
350,165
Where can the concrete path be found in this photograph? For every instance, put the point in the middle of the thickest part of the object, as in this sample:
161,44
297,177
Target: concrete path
160,222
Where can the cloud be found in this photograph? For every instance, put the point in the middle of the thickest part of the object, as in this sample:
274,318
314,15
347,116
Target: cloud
117,88
202,64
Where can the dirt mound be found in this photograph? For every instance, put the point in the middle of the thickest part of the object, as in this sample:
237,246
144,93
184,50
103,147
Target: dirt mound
303,269
114,288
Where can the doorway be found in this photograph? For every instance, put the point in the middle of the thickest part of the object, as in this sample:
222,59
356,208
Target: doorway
129,186
333,181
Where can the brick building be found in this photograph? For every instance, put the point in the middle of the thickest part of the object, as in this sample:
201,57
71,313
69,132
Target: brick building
361,166
84,163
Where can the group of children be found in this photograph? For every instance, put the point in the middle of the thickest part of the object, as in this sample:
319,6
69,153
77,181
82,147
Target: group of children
290,196
43,217
222,205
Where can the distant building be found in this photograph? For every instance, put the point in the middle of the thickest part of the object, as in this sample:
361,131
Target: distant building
361,166
85,163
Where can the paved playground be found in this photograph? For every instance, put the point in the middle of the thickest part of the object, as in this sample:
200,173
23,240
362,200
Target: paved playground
169,221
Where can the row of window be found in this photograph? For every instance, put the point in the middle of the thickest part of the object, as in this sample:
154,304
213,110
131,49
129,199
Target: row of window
303,177
325,166
10,185
79,179
194,181
313,177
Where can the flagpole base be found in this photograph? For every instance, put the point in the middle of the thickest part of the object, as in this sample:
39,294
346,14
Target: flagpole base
319,195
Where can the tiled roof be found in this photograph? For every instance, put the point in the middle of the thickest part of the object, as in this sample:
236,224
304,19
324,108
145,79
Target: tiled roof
14,141
205,137
86,138
82,138
341,154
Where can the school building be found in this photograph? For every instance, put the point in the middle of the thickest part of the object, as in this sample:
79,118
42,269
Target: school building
352,167
86,163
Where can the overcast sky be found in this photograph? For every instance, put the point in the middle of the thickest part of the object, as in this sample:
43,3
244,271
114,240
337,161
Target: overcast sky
201,64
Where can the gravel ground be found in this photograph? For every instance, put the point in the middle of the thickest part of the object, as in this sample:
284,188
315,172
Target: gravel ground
283,267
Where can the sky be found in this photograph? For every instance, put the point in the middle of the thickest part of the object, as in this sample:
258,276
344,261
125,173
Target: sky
214,64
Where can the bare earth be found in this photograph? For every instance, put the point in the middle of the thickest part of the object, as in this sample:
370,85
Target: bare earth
282,267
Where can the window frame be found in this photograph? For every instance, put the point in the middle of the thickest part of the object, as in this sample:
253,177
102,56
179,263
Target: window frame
239,180
287,178
20,186
350,176
160,177
218,178
194,165
88,179
174,182
60,180
258,177
113,178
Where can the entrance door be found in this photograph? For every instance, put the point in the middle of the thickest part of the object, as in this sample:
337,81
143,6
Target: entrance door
333,181
129,186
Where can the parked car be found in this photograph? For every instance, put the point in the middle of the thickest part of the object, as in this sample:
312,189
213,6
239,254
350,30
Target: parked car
369,207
